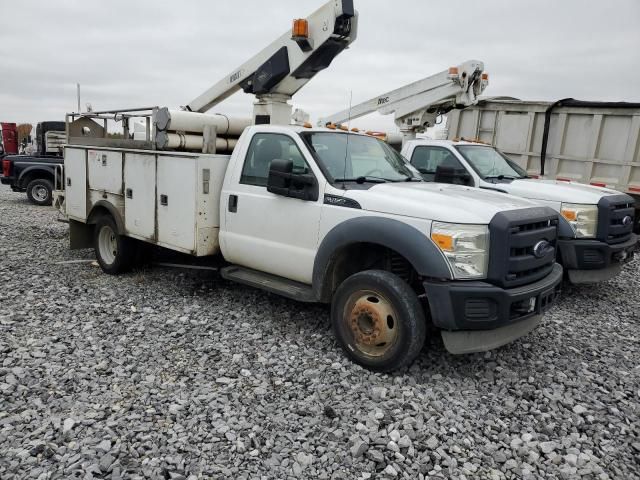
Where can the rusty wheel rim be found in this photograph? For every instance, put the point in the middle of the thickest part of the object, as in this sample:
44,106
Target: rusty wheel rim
373,323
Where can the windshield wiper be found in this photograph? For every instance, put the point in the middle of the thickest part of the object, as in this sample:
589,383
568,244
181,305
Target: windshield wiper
500,177
361,180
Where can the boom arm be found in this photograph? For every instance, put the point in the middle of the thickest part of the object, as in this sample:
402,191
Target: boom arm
416,106
284,67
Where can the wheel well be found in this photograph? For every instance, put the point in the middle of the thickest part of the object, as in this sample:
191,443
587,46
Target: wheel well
358,257
105,210
34,175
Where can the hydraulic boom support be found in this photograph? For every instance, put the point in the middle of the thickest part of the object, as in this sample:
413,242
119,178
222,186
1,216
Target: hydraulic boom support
276,73
417,106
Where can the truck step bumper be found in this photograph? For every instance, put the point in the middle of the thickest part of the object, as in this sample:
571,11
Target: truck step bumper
478,305
593,261
586,277
472,341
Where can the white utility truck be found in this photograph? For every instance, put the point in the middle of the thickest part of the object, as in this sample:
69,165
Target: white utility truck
596,224
316,214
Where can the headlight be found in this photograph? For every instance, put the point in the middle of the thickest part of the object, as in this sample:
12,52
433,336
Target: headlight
582,218
466,248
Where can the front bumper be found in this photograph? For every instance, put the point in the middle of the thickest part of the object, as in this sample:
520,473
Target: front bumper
477,305
590,261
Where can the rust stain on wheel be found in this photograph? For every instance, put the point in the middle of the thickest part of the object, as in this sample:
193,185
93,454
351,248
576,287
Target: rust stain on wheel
372,321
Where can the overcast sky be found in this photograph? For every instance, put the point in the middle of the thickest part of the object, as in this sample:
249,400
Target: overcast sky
129,53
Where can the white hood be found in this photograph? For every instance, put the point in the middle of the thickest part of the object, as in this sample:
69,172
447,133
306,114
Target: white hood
556,191
438,202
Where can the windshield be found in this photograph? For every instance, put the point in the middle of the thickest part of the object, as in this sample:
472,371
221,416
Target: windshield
346,157
489,163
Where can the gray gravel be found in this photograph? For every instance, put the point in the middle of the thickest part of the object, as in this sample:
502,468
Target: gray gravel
175,374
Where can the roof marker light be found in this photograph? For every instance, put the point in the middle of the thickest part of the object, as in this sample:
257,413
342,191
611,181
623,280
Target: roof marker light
300,28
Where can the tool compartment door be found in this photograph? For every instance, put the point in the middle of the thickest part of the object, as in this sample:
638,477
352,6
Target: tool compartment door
140,195
105,171
75,170
176,202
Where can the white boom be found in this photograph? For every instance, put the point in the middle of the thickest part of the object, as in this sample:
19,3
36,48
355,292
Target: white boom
276,73
417,106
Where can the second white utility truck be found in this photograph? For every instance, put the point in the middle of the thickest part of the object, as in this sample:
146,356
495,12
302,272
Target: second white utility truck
317,215
596,225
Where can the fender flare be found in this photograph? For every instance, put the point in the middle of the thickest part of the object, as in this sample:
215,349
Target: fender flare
36,168
113,211
564,229
414,245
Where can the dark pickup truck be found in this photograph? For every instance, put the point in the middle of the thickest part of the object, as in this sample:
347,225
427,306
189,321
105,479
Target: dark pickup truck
31,174
35,174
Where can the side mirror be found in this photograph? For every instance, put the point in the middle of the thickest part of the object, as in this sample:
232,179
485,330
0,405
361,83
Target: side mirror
451,175
282,181
279,179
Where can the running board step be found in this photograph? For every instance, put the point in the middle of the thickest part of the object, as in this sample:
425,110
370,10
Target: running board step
270,283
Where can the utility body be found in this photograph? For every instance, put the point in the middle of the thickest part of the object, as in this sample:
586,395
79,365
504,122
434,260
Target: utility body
315,214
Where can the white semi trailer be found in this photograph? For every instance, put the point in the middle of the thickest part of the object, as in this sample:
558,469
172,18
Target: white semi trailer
317,215
596,237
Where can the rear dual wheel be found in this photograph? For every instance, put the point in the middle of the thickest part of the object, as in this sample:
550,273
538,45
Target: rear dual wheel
378,320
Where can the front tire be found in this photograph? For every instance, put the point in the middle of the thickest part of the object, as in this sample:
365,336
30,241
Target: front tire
40,192
378,320
115,253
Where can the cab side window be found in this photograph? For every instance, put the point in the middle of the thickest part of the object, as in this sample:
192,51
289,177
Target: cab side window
437,164
264,148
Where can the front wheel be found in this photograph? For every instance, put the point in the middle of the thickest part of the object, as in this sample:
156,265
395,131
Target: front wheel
40,191
378,320
114,252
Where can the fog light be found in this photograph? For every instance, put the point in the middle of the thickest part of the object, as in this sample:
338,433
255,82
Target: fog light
524,307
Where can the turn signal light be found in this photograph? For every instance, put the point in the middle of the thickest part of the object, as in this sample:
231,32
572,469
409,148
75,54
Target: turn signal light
453,70
331,126
356,130
570,215
300,28
485,76
445,242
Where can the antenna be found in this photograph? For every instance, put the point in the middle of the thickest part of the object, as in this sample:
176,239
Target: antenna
346,148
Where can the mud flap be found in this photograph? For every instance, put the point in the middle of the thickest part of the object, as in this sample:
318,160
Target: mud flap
80,235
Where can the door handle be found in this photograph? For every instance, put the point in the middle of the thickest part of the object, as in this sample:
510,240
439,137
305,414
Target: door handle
233,203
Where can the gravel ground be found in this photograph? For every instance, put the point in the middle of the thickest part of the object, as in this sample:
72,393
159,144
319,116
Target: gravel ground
175,374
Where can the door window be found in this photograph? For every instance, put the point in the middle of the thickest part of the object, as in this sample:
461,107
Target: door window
264,148
437,164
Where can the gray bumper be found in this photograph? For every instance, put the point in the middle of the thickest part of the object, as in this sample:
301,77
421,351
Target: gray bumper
471,341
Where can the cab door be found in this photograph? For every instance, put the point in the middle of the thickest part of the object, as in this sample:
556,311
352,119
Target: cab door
265,231
439,165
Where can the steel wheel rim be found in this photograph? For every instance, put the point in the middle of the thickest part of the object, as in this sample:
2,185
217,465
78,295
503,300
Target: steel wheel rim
40,193
108,244
372,322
